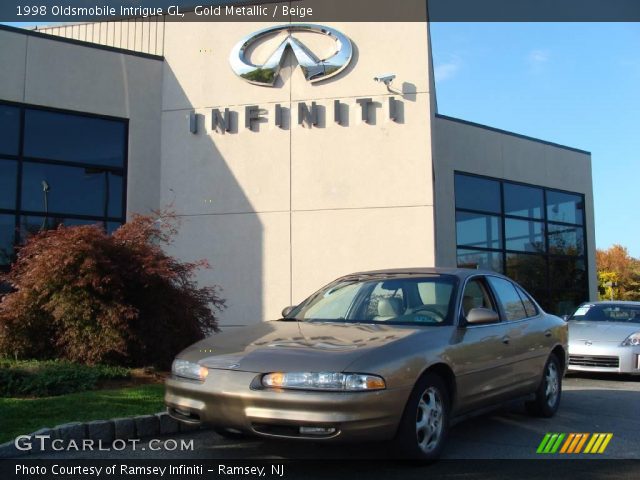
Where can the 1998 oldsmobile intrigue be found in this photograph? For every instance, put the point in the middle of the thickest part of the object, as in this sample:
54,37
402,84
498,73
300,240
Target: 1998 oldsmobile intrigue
384,355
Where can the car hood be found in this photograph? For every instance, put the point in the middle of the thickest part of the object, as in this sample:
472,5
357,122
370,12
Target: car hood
601,331
286,345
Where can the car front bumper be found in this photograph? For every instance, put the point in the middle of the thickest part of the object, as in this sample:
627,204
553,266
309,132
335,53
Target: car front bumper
604,357
225,399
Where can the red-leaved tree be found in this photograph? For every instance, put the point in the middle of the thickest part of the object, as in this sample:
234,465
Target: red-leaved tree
83,295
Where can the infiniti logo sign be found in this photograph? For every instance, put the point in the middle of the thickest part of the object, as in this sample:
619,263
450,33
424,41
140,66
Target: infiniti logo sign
314,69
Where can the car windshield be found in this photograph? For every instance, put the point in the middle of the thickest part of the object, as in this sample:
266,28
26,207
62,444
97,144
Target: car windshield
607,313
425,300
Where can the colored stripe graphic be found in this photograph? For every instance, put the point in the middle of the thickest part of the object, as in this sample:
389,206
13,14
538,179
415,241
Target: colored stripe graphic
543,443
608,438
567,442
550,443
582,442
572,443
590,444
556,445
598,443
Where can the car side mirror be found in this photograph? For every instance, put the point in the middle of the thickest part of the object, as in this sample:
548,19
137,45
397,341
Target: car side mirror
287,310
565,318
478,316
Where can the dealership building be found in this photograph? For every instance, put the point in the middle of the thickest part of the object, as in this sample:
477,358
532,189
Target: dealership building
287,162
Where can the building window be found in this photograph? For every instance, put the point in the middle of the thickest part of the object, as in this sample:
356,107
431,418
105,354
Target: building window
10,128
8,183
524,235
478,230
58,167
476,193
535,235
92,191
486,260
72,138
7,237
523,201
565,207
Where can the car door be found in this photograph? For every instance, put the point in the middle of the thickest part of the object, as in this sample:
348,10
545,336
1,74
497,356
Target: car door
522,334
480,354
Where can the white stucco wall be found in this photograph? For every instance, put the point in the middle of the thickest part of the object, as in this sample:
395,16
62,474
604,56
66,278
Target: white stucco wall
280,212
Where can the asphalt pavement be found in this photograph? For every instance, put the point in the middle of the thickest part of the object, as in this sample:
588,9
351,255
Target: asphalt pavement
590,404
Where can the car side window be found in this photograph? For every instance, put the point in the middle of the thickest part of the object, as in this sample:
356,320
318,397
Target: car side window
509,299
476,295
529,306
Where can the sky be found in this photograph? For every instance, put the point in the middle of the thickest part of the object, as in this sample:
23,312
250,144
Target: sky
576,84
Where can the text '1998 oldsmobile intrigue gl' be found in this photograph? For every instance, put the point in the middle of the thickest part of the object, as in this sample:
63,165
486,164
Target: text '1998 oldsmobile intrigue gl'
386,355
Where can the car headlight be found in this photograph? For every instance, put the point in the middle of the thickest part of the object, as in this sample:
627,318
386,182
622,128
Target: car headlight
352,382
632,340
185,369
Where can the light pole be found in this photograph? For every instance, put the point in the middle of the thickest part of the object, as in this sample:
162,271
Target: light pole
45,191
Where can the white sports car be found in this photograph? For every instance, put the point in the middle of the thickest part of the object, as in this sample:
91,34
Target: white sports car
605,337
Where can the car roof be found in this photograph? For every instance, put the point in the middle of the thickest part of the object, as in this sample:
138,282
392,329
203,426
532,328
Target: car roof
461,273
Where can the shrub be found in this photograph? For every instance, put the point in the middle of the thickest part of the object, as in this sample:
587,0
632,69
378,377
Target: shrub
82,295
53,377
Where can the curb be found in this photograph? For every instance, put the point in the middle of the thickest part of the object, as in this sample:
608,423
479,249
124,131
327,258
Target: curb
104,431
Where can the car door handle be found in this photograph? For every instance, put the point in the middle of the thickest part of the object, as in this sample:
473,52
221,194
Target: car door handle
547,333
505,339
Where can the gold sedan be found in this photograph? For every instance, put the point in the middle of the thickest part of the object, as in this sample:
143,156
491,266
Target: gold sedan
386,355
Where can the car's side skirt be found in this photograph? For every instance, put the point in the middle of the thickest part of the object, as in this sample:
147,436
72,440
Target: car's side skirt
484,410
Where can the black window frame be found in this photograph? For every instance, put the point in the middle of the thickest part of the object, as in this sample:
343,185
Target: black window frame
545,256
21,158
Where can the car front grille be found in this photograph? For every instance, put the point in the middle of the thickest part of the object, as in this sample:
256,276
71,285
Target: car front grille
594,361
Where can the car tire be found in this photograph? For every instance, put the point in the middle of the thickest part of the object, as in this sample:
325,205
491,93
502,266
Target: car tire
425,420
549,392
231,433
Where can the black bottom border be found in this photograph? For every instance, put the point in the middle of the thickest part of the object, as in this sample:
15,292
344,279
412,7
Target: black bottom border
610,469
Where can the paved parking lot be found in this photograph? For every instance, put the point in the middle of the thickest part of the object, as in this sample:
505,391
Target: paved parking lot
590,403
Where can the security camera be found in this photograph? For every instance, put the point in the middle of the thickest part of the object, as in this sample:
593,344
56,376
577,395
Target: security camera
385,78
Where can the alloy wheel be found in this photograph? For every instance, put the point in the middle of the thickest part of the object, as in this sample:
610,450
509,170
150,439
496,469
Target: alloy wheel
552,380
429,419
